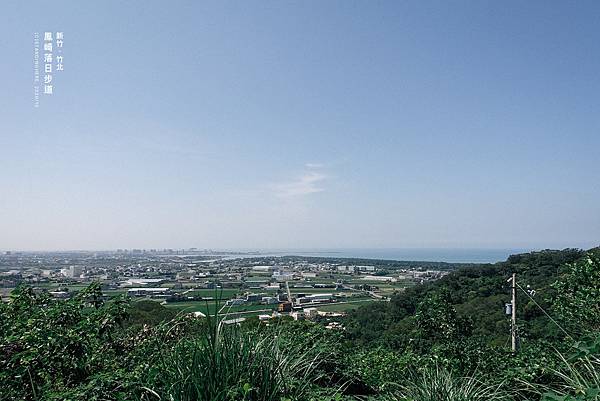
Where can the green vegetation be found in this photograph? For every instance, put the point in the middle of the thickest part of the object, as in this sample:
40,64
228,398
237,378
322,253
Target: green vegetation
444,340
210,307
344,306
458,323
148,312
438,384
227,363
82,349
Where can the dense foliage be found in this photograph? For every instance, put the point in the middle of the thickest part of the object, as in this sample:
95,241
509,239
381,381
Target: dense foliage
445,340
459,323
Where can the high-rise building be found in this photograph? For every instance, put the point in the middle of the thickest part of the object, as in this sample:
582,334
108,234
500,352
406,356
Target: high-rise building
74,271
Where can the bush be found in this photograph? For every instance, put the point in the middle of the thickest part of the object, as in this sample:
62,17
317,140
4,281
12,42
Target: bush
48,347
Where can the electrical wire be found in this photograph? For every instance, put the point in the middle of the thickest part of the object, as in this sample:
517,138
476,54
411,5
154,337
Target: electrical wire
545,313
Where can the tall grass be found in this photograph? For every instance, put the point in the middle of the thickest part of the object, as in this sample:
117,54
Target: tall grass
438,384
230,363
577,379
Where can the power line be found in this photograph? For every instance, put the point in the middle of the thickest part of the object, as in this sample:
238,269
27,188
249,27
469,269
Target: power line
545,313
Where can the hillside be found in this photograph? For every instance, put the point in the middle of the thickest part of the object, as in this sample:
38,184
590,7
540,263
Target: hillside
478,294
444,340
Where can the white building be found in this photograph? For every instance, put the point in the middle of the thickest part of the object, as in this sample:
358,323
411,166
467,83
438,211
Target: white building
142,281
270,300
234,321
297,315
198,314
237,301
74,271
310,313
272,287
264,269
141,292
313,298
60,294
283,276
380,278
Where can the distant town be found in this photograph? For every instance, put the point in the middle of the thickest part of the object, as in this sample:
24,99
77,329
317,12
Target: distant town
240,285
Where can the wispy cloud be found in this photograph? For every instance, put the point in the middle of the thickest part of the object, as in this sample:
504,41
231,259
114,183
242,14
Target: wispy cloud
308,183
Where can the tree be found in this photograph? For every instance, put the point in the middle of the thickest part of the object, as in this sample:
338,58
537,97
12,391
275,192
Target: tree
578,295
437,322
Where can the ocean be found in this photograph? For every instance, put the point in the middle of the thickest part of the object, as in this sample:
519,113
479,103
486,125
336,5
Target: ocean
405,254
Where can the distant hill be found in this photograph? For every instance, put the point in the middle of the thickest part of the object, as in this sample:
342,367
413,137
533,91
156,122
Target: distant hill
478,293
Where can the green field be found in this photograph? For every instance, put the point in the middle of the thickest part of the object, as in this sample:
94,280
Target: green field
208,307
193,306
111,293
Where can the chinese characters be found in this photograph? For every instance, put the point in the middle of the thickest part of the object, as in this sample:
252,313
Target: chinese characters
53,59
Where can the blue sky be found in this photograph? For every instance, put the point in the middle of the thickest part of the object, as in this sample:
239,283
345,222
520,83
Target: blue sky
303,124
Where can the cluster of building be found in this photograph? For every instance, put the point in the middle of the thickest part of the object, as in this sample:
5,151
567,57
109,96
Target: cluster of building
170,275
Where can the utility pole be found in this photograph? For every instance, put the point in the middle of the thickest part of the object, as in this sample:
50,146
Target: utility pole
513,325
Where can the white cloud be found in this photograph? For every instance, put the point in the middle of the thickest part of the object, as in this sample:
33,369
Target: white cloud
306,184
314,165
